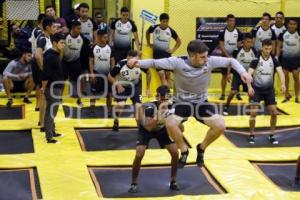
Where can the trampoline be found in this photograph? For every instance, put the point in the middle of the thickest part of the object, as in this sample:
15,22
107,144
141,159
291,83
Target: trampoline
287,137
16,142
95,112
281,174
19,184
243,109
12,113
113,182
106,139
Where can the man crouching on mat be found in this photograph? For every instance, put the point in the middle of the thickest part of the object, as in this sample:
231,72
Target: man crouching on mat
151,121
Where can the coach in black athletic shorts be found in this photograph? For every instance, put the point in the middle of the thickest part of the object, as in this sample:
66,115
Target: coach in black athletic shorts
151,121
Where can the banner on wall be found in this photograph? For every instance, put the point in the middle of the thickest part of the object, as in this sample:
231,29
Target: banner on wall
208,28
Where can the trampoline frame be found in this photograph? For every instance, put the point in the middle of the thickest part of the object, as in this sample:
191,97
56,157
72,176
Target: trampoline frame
16,106
278,163
209,177
31,179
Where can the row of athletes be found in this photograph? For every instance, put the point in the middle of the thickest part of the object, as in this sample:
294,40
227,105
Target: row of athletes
285,42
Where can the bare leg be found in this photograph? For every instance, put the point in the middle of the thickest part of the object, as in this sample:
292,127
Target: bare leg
273,112
136,166
162,76
296,82
8,86
29,85
172,148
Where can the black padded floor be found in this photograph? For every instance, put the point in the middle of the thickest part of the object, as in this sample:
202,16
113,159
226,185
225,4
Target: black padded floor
243,109
14,112
153,182
106,139
287,137
19,184
15,142
281,174
95,112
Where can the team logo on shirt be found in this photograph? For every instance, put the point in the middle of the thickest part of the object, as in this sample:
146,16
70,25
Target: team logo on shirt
78,41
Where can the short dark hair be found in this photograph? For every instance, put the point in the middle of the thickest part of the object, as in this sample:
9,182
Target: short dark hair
47,21
267,42
25,49
83,5
230,16
280,13
247,36
196,46
132,53
164,16
293,19
162,90
57,37
75,23
265,14
41,17
101,32
49,6
98,13
124,9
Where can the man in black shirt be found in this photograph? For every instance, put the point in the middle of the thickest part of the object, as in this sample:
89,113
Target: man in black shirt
52,84
151,122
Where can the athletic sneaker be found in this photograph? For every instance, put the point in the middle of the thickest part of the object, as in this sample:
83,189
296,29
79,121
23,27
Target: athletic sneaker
26,100
182,159
238,96
251,139
133,188
174,186
200,156
42,129
79,103
9,102
222,97
58,135
225,111
52,141
272,139
37,109
116,125
286,99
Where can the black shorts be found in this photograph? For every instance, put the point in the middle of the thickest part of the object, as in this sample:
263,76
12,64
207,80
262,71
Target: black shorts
236,82
72,70
161,136
136,93
120,53
158,54
19,86
267,95
99,86
199,111
36,73
290,63
84,58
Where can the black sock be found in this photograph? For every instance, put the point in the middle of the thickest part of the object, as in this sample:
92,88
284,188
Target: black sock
199,148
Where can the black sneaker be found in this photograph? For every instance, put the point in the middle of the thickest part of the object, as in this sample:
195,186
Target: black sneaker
297,100
58,135
42,129
37,109
9,103
133,188
200,156
116,125
174,186
182,159
272,139
26,100
286,99
251,139
52,141
39,123
222,97
79,103
225,111
238,96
